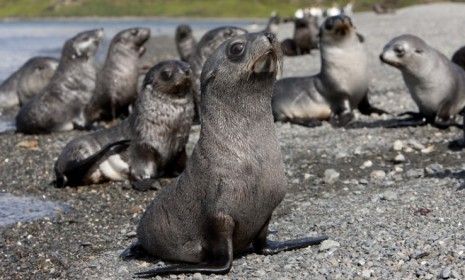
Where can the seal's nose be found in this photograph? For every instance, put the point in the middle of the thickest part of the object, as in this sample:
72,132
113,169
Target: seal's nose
270,36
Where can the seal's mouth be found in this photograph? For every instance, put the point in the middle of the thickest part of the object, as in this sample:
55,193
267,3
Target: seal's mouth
266,63
389,62
342,28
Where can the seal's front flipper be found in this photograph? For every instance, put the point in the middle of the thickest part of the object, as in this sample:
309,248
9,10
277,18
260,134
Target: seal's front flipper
146,184
410,122
219,254
411,114
135,251
367,109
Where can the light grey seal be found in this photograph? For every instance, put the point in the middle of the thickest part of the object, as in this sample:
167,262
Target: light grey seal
435,83
116,86
60,106
156,134
341,85
204,48
223,202
29,80
185,41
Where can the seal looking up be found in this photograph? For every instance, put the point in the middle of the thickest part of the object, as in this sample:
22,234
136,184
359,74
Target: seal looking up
185,41
60,106
436,84
341,85
224,200
156,134
29,80
206,46
116,85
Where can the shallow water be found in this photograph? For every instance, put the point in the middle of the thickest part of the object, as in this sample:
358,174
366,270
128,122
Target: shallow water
15,209
21,40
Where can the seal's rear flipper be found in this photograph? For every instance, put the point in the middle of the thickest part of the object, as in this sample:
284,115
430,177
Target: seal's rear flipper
220,253
274,247
135,251
74,174
367,109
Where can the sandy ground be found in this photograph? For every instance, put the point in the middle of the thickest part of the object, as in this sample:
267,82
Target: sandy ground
384,219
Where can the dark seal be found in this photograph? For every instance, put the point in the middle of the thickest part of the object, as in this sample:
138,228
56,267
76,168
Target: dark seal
60,106
223,202
185,41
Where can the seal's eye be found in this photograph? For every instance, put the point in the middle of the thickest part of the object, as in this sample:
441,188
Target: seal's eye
85,38
236,49
40,67
134,32
166,74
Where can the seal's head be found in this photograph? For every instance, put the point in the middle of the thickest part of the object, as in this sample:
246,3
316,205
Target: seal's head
404,52
337,30
244,61
170,77
301,23
84,45
36,74
215,37
133,38
183,31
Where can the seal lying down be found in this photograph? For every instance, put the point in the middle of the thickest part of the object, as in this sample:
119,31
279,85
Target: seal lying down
223,201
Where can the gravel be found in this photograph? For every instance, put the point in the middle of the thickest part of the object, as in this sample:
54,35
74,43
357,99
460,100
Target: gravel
409,224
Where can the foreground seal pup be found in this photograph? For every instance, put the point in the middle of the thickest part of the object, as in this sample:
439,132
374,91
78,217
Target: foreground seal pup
156,133
116,85
185,41
436,84
341,85
224,200
27,81
60,106
206,46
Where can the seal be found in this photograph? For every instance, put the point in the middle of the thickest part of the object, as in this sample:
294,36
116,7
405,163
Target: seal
459,57
185,41
35,76
116,86
224,200
27,81
209,42
436,84
305,37
60,106
148,144
272,25
341,85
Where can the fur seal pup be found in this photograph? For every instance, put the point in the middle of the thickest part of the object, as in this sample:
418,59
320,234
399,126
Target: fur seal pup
185,41
60,106
148,144
341,85
116,86
224,200
273,24
305,37
27,81
435,83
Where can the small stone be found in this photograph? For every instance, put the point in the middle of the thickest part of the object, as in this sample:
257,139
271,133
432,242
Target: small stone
416,145
428,149
366,274
131,234
399,158
398,169
445,273
358,150
389,196
397,145
378,175
307,176
295,181
367,164
341,155
434,168
331,176
414,173
328,244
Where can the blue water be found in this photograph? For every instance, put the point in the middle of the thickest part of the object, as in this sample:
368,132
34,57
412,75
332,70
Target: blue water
21,40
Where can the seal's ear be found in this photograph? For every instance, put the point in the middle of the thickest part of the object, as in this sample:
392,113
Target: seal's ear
360,37
419,51
208,77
